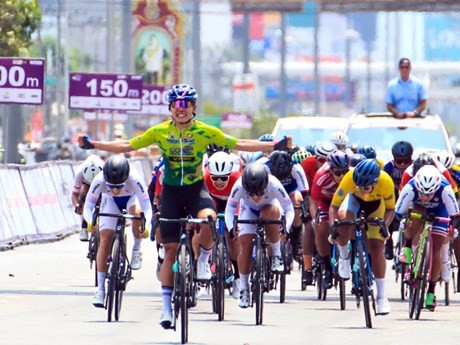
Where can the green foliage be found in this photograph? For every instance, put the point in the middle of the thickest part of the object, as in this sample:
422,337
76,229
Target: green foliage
18,20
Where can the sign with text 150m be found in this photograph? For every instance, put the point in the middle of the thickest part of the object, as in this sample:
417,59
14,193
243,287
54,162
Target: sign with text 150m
21,80
105,91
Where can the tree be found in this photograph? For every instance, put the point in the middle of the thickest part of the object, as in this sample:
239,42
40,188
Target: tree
18,20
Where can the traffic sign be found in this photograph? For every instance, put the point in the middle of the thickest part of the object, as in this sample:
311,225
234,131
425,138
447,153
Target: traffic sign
21,80
105,91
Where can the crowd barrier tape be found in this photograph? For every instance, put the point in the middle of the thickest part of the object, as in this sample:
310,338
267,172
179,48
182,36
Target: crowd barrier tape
36,203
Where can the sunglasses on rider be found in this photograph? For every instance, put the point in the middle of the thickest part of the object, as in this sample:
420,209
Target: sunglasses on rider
219,178
339,172
405,161
182,103
115,186
367,189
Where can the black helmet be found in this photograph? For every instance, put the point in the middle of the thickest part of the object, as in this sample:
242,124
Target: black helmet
281,164
402,149
255,179
116,169
423,159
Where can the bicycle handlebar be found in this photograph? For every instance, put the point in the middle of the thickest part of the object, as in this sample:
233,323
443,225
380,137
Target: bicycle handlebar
428,217
257,221
359,222
126,216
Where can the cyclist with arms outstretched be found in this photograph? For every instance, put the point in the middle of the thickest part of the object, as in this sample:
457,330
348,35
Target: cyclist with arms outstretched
183,142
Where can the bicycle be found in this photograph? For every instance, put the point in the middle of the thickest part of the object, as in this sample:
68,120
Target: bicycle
261,277
221,268
93,244
118,269
420,267
363,278
185,283
399,267
336,280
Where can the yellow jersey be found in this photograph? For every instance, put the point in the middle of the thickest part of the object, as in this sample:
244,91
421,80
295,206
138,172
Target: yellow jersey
383,190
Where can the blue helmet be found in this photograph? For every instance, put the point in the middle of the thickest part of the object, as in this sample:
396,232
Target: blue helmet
366,173
356,158
182,91
368,151
267,137
338,160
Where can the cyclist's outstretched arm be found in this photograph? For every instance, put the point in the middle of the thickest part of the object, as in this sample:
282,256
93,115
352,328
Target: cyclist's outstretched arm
119,146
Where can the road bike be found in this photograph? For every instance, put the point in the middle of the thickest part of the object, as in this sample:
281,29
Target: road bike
261,278
399,267
221,268
118,268
93,244
185,283
362,276
421,264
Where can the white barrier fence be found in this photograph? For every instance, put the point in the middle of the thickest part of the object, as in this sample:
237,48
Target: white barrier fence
36,203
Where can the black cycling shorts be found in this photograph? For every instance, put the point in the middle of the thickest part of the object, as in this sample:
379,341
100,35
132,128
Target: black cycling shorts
179,202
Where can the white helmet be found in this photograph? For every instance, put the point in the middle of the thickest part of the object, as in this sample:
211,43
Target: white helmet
445,158
428,179
339,138
91,167
220,164
324,148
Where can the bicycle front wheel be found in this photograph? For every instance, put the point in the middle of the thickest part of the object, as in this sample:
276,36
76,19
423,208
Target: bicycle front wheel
364,283
259,283
220,280
422,278
184,292
283,274
113,278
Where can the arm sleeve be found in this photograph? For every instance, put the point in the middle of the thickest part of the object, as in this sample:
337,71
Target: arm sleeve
91,199
405,198
299,175
285,201
232,203
140,191
448,197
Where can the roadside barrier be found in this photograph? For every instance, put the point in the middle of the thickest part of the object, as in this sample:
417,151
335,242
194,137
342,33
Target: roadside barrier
35,200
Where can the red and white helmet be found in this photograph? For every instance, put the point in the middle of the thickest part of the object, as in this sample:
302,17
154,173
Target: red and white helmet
428,179
220,164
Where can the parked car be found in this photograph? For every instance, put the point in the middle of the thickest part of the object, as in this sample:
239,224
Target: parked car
308,130
382,130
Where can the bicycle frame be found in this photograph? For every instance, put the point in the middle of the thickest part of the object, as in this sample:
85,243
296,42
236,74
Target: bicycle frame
422,261
261,277
185,284
118,269
363,278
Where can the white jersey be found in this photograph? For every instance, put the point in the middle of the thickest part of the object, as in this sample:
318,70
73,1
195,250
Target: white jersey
134,190
274,192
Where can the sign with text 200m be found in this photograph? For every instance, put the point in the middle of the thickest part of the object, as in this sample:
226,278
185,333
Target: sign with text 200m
105,91
21,80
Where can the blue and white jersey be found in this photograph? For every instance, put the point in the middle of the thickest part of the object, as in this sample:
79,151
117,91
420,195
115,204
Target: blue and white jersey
297,180
442,201
395,174
133,189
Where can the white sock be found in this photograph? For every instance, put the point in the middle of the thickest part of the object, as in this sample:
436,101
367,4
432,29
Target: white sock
343,251
380,282
244,278
166,293
101,281
204,254
276,248
137,243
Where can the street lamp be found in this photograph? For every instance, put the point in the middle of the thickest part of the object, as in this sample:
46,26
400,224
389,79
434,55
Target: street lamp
350,36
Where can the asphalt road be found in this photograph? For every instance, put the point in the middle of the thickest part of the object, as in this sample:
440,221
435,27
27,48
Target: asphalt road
46,292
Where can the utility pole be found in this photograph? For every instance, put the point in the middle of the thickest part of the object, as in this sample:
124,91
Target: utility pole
245,42
283,79
317,95
196,24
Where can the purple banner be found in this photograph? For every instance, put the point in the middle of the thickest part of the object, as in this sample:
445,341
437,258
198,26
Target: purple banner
236,120
154,101
21,80
105,91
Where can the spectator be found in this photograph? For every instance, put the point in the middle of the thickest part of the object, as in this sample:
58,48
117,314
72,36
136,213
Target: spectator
406,95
